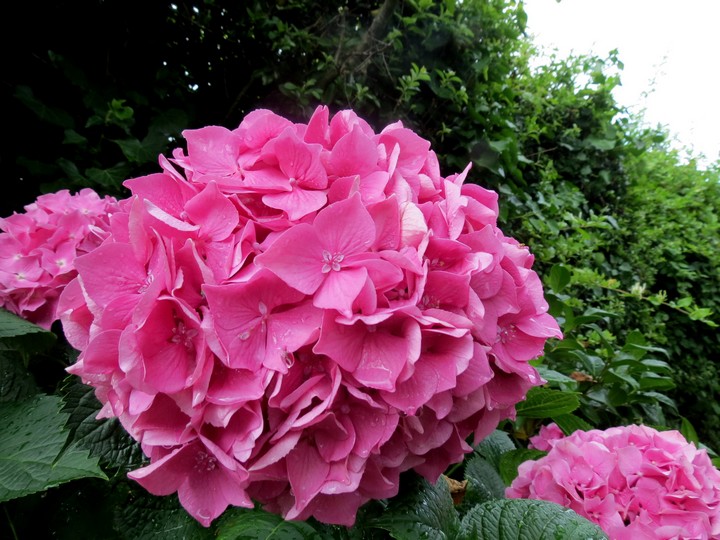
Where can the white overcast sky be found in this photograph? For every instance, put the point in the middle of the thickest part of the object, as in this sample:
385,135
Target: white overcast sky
676,43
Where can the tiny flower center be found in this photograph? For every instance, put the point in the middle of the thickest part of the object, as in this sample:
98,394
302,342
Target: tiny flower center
331,261
204,462
182,335
506,333
146,283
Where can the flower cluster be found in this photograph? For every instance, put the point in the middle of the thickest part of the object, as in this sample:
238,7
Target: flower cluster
635,482
38,249
297,313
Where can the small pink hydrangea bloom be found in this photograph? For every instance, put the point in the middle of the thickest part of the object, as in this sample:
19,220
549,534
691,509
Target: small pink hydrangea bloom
38,249
635,482
295,314
546,437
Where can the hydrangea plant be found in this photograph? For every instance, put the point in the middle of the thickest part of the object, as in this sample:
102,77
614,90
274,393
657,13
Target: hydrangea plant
38,249
634,481
295,314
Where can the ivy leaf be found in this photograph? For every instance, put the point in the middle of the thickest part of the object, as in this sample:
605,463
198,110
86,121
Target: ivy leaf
545,403
510,461
243,524
135,151
109,178
526,519
33,456
148,517
423,511
53,115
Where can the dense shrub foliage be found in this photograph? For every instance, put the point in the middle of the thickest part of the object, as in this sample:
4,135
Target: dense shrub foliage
623,228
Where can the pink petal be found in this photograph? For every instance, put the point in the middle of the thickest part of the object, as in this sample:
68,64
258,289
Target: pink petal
296,257
345,227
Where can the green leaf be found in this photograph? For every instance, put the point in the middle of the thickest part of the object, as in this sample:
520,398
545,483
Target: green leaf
552,376
148,517
106,439
33,456
19,334
510,462
243,524
135,151
483,481
559,278
569,423
688,431
73,137
70,170
109,178
494,446
600,144
423,511
545,403
16,383
52,115
526,519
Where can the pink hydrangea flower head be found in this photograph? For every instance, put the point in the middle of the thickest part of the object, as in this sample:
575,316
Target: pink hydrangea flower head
296,314
38,249
633,481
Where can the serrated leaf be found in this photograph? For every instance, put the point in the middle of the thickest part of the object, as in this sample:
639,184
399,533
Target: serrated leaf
32,448
527,519
148,517
569,423
243,524
494,446
106,439
545,403
18,334
483,482
510,461
423,510
16,383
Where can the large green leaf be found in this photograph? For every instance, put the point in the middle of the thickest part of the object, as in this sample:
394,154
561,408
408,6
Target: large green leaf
526,519
483,481
422,511
148,517
17,333
545,403
106,438
569,423
494,446
16,382
33,456
510,462
242,524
